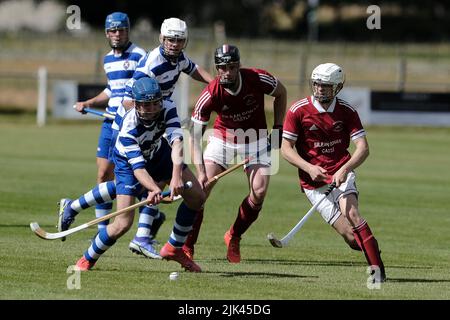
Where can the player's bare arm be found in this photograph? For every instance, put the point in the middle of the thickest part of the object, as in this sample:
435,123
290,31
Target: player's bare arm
202,75
279,104
197,131
176,183
358,157
154,191
317,173
99,100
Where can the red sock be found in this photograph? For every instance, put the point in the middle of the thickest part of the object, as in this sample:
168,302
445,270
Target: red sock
369,245
191,239
248,213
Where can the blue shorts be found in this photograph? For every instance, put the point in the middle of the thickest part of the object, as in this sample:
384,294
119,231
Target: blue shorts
104,140
114,135
159,167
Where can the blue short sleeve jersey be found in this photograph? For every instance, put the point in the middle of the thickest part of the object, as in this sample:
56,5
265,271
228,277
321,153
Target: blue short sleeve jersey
118,69
166,72
137,144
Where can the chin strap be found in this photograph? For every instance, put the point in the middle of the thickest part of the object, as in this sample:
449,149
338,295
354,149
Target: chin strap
123,48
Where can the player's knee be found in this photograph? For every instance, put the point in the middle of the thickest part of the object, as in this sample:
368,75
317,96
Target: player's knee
105,171
353,216
259,194
120,227
195,198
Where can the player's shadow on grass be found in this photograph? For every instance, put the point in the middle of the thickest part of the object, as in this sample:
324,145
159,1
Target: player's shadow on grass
259,275
325,263
16,226
416,280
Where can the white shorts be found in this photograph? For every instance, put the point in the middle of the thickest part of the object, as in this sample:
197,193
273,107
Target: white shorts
329,208
223,153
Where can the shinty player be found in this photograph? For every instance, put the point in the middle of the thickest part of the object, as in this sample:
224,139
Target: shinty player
119,65
145,162
237,96
165,63
316,136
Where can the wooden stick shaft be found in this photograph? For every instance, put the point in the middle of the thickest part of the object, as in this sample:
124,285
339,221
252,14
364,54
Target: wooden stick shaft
231,169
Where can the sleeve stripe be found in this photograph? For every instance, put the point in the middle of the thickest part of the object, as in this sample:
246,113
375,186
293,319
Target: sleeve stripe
171,114
358,134
200,103
193,69
268,79
133,161
298,104
173,124
290,135
174,134
274,88
199,121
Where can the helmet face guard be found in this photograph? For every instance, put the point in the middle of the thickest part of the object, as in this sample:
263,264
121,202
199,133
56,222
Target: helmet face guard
326,81
226,57
327,92
172,47
148,111
119,42
228,74
117,22
148,100
173,37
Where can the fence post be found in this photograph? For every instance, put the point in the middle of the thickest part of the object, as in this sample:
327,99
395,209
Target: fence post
42,96
303,69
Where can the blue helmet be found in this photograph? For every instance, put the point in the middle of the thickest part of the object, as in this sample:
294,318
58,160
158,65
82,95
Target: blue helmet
117,20
146,89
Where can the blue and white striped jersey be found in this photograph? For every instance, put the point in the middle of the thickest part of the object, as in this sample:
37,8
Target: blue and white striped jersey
165,71
137,144
118,70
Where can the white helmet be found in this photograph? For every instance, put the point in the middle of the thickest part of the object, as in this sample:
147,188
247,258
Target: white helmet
327,73
174,28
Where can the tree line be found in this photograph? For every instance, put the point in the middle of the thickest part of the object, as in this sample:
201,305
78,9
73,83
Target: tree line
400,20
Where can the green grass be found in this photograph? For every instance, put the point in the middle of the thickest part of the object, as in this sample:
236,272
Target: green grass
404,187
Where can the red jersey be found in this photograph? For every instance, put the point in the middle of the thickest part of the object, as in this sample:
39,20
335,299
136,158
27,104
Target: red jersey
322,136
243,109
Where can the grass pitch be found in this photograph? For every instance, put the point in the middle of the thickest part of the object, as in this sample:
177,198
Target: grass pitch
404,187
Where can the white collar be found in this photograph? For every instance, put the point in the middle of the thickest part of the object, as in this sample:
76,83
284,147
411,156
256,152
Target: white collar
319,107
238,89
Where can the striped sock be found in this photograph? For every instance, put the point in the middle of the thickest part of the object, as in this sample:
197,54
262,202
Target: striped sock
146,216
102,210
193,235
104,192
182,226
101,243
